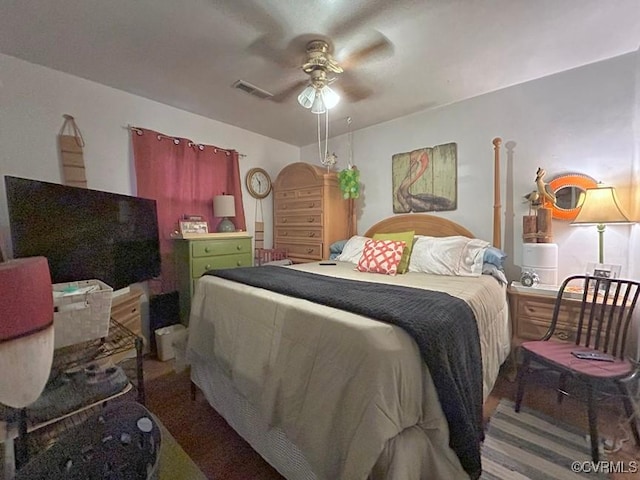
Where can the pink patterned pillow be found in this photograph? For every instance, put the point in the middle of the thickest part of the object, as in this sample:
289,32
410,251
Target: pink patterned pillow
381,256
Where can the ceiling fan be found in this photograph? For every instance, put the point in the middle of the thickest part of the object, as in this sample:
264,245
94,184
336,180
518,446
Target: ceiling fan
322,68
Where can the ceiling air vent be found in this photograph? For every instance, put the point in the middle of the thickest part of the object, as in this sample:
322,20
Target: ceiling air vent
252,89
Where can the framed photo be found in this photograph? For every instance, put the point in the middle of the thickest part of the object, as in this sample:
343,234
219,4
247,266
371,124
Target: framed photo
188,226
603,270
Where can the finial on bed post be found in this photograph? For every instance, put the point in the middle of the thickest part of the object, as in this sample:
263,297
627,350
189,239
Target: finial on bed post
497,206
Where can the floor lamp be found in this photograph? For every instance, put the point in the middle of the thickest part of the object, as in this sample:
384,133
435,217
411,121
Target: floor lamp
26,345
601,207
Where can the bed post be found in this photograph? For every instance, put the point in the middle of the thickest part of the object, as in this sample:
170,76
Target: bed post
497,216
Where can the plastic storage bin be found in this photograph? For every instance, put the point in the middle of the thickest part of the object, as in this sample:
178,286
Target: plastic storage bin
164,340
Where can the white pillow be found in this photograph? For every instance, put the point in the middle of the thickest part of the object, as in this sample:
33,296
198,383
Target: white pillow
353,249
448,255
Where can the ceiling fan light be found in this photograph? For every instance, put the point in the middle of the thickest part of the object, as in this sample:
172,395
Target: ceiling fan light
318,106
307,96
330,97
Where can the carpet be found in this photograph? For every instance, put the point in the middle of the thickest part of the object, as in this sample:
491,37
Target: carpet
530,445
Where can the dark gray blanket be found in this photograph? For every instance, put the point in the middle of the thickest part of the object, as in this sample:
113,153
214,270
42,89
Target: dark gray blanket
443,326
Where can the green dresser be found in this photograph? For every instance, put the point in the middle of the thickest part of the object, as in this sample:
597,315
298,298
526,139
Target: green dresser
195,256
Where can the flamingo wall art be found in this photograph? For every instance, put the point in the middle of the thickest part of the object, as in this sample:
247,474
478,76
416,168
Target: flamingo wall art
425,180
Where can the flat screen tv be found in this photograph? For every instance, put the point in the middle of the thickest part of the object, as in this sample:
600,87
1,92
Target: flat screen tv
85,234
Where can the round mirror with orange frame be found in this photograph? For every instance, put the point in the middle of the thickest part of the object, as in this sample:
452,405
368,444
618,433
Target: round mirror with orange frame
569,190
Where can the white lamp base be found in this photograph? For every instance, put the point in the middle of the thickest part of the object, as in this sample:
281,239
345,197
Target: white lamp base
226,225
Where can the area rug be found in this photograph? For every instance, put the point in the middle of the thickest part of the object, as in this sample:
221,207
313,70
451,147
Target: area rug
530,445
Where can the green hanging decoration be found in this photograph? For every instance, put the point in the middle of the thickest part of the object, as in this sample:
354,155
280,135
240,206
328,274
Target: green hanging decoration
349,182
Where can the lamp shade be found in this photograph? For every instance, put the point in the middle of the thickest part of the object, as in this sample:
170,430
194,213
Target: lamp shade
318,106
307,96
600,207
330,97
26,330
224,206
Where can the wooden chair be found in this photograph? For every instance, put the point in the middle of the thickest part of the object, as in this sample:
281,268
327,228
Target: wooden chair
266,255
602,315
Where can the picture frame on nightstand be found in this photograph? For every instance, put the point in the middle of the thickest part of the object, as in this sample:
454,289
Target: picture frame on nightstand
603,270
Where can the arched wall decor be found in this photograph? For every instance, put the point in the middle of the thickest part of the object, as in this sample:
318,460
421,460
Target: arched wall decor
568,189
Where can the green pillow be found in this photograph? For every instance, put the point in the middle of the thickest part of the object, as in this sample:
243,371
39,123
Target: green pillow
407,238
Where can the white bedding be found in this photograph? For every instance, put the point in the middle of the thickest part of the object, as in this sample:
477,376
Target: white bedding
352,394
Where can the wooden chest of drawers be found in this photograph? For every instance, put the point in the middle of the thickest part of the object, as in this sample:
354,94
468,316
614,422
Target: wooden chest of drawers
309,212
195,256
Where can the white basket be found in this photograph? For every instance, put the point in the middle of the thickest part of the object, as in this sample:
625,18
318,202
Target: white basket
81,311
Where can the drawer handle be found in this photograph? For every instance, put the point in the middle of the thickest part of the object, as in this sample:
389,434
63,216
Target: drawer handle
238,247
312,204
239,263
284,220
207,249
284,234
284,207
562,335
310,219
207,267
309,250
312,234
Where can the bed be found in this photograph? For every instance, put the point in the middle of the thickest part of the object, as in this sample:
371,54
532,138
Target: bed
323,391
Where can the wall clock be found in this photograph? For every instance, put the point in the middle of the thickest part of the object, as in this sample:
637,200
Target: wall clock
258,183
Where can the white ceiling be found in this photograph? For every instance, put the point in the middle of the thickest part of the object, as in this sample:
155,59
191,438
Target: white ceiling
189,53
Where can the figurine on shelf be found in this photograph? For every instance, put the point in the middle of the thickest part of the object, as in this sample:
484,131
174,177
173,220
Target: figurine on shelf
536,226
545,191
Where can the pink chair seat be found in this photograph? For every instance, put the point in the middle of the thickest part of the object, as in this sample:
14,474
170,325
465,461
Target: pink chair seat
560,354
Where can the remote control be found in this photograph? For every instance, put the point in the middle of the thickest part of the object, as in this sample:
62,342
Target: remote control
599,356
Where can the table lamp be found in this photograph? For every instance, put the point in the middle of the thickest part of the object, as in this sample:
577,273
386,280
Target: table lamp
601,207
26,335
225,206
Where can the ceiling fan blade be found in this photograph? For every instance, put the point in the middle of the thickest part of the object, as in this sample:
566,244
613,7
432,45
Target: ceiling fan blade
363,15
355,93
251,14
351,89
292,89
377,48
264,47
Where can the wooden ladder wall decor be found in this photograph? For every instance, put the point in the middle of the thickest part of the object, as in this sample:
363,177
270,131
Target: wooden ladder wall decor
73,170
259,226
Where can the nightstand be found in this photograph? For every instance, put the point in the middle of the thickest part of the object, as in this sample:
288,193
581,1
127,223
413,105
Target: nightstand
531,309
195,255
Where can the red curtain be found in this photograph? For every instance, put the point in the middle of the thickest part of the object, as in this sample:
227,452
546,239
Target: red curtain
183,178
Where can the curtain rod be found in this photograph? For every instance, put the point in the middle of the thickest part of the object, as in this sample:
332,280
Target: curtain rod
175,140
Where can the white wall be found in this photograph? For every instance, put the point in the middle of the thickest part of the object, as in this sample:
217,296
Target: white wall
33,100
577,121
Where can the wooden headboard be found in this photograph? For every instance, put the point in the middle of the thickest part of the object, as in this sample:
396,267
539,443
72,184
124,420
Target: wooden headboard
425,224
421,224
